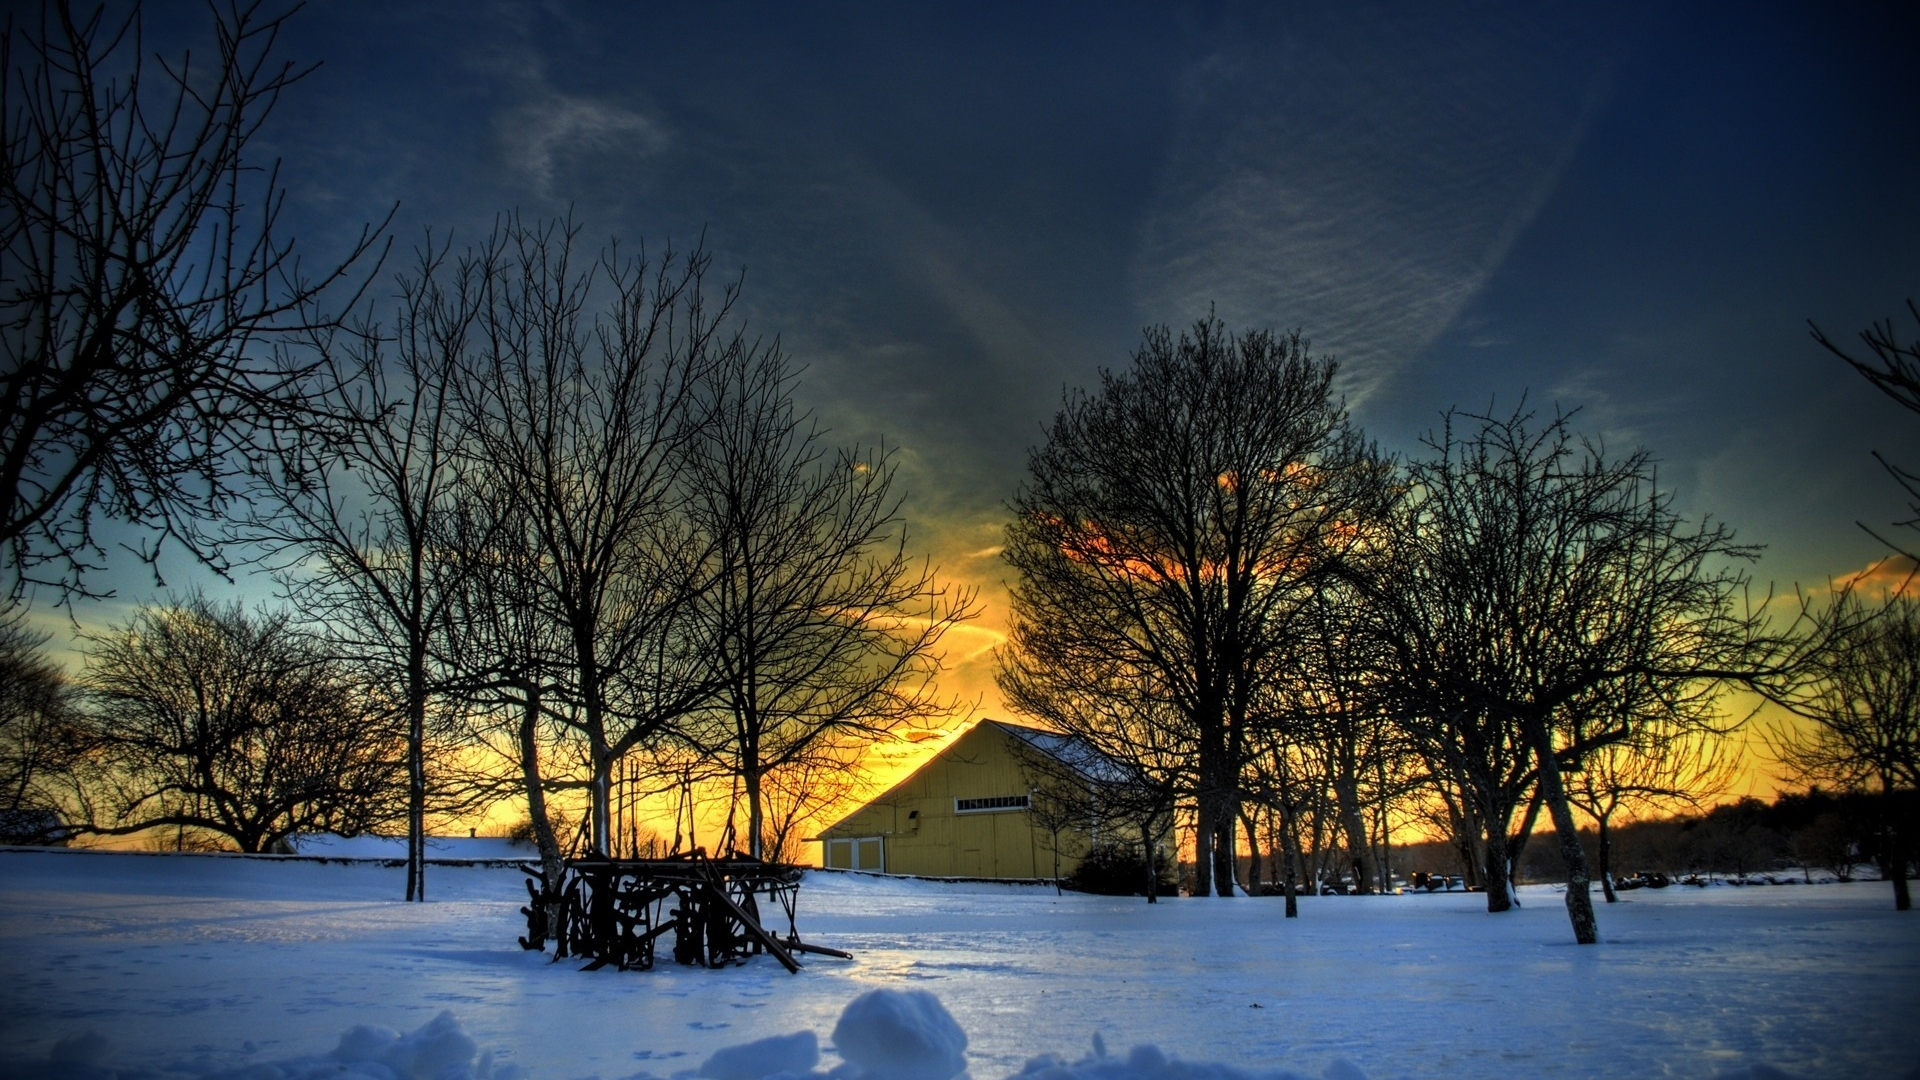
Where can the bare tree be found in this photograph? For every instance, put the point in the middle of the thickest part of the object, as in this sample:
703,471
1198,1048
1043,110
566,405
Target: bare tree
1280,787
1894,368
1531,575
582,416
214,719
804,791
1066,812
1325,703
1424,611
42,746
817,625
1165,532
1661,766
148,278
359,521
1862,694
504,659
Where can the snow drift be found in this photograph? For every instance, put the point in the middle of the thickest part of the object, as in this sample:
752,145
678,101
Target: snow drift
882,1035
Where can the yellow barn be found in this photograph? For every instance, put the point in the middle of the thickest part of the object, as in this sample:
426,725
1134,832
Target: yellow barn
989,805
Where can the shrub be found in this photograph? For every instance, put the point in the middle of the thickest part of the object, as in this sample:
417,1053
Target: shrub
1118,870
522,831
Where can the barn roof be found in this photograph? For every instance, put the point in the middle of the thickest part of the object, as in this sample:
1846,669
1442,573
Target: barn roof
1070,750
1077,754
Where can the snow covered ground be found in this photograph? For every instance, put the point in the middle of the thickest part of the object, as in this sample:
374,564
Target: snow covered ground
119,965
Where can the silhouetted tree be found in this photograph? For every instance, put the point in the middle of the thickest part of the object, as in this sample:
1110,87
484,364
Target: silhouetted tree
361,520
1166,531
1281,781
1862,695
581,417
1894,368
817,627
1827,842
505,659
1733,838
803,791
1531,580
148,281
211,718
42,746
1325,702
1660,766
1085,801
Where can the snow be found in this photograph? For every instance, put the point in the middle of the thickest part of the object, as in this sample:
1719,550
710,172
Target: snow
781,1055
129,965
900,1035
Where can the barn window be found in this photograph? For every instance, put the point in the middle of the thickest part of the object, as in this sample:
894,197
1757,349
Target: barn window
990,803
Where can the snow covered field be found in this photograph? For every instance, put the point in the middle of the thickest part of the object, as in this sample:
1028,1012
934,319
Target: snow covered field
121,965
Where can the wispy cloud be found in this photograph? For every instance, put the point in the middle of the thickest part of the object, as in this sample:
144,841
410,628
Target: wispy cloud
1360,178
547,132
552,131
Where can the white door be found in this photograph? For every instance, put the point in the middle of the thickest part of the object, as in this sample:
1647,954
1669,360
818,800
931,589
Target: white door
857,853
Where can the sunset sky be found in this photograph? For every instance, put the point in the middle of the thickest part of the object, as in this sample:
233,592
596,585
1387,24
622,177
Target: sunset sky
950,216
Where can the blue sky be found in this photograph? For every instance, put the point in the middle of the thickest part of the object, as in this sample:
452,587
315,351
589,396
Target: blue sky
950,215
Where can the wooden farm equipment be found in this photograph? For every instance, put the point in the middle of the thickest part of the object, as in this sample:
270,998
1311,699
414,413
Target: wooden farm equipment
616,911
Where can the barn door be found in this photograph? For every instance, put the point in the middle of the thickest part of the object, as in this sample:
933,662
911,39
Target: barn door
857,853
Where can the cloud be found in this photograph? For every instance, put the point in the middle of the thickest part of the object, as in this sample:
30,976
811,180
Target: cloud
1360,177
1895,575
553,131
550,137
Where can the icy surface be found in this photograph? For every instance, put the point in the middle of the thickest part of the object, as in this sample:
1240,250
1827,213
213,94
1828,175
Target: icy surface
121,965
780,1055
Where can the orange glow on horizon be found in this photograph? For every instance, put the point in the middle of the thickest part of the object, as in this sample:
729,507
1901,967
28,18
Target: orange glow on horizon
967,560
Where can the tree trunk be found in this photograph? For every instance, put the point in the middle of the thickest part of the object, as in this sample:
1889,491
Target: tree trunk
1386,838
1290,853
600,789
1255,869
600,785
552,866
1148,836
1553,791
756,842
1347,793
1223,851
1606,859
1517,839
417,775
1494,871
1203,834
1468,841
1897,863
1213,807
1386,861
1896,849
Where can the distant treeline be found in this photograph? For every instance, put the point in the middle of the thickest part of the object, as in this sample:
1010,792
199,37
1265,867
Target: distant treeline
1807,836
